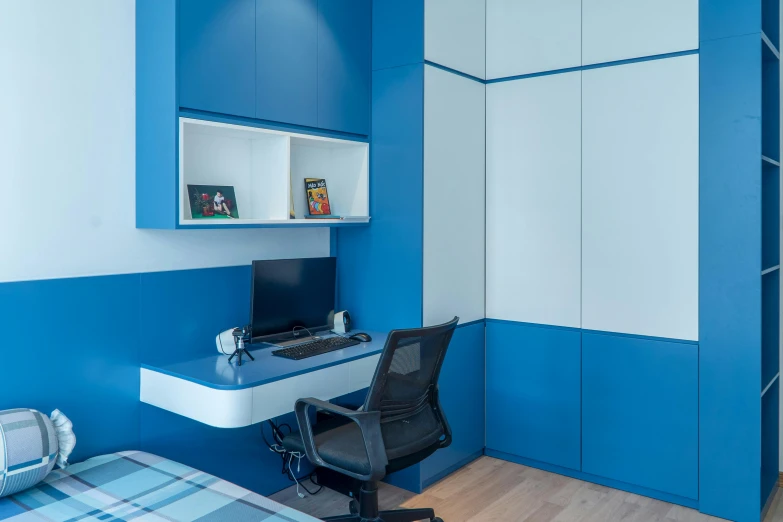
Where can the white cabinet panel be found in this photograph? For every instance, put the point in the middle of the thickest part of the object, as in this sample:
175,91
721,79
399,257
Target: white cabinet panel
622,29
533,200
640,183
528,36
454,180
454,34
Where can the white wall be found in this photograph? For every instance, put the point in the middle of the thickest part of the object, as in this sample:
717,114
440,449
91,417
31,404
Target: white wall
67,154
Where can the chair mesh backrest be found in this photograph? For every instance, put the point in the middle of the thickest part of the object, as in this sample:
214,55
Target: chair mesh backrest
407,374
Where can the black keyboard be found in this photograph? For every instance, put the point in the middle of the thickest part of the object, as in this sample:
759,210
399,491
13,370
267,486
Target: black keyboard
312,348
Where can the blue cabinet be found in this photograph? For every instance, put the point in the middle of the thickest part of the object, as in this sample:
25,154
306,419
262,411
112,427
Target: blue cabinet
287,61
533,392
640,409
344,63
461,386
216,56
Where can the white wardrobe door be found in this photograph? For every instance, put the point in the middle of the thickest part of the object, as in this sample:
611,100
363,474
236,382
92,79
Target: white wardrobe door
454,34
640,208
622,29
453,197
533,200
528,36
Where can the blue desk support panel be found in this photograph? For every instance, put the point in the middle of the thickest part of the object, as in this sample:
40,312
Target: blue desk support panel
640,409
344,64
533,392
216,51
287,61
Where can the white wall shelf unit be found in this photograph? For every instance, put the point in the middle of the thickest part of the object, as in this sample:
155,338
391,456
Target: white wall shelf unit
266,168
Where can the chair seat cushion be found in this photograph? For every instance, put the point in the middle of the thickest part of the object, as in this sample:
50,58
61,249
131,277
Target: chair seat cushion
341,445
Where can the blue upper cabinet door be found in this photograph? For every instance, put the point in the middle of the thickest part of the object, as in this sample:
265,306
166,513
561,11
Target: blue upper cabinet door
640,412
217,56
344,61
287,61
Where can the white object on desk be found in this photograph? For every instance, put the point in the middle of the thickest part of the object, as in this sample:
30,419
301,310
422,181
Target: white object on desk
240,408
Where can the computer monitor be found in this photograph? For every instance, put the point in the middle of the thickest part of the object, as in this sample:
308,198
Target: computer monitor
291,293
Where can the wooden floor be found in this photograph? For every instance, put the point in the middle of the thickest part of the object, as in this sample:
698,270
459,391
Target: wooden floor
491,490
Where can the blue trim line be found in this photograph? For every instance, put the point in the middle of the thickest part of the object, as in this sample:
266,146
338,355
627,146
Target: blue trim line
454,71
471,323
643,337
598,332
594,66
271,125
535,325
660,495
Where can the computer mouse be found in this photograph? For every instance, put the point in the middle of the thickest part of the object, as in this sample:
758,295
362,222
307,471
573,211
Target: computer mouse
363,337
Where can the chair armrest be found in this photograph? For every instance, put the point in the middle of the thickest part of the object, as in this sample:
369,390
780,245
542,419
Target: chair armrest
369,423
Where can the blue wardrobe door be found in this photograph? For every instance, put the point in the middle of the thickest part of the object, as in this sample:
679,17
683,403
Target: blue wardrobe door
461,386
640,412
533,392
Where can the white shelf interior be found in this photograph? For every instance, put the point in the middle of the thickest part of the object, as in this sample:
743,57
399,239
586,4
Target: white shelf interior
264,166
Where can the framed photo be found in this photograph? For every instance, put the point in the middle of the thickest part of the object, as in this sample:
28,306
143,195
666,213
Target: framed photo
212,202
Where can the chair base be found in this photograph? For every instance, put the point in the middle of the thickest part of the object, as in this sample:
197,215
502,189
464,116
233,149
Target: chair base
366,510
398,515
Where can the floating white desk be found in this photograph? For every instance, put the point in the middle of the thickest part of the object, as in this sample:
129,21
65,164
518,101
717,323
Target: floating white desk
223,395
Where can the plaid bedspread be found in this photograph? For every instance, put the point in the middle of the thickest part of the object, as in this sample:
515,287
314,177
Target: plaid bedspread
133,485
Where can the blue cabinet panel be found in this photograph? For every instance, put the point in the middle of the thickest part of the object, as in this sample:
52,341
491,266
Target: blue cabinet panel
380,266
217,56
461,386
533,392
397,33
287,61
156,120
640,410
86,364
344,55
185,325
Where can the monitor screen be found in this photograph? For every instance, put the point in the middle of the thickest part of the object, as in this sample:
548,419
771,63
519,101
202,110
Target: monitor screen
291,292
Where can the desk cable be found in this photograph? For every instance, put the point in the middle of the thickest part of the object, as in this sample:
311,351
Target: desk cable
288,458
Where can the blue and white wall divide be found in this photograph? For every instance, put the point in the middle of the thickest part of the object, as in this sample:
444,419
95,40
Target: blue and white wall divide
85,297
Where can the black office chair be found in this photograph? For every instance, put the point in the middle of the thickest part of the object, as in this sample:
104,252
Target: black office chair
400,424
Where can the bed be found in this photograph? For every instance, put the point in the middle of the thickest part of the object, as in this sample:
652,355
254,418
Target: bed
134,485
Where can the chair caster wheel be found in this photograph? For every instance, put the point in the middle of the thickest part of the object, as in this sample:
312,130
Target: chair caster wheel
437,519
353,507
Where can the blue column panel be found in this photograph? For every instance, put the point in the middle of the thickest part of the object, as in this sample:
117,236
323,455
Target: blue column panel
462,388
770,442
726,18
216,51
640,408
380,266
156,113
397,33
344,56
287,61
729,278
533,392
